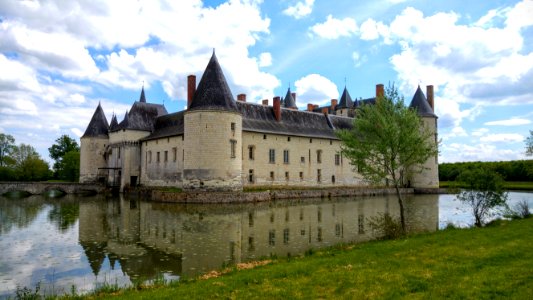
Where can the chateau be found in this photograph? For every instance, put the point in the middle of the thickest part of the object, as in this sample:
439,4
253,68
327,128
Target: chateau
219,144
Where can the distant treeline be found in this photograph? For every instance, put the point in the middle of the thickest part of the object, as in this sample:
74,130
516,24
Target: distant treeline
517,170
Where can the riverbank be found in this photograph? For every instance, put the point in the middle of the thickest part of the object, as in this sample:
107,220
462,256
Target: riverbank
491,262
508,185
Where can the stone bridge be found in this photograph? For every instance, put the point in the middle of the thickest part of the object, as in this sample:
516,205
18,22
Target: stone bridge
36,188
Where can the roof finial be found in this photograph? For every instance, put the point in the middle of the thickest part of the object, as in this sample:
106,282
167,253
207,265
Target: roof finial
142,98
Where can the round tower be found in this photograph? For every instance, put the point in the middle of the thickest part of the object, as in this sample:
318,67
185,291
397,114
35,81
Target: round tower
213,135
92,148
429,177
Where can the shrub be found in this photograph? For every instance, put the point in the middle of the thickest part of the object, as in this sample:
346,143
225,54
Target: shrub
385,226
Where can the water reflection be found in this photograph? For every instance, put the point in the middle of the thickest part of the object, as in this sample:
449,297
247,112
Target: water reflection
148,239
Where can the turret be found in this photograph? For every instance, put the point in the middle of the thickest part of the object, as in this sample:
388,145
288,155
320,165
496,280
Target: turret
213,139
429,177
93,143
345,104
289,101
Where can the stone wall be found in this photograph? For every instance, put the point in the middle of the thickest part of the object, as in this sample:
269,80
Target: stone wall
37,188
92,157
210,163
429,177
168,169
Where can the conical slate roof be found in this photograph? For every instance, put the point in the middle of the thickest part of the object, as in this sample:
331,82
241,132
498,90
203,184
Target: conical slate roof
289,100
142,98
98,126
213,91
346,100
114,123
421,104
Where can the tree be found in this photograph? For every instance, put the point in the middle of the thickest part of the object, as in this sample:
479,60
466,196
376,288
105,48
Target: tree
484,191
63,145
70,166
28,164
529,144
388,141
7,143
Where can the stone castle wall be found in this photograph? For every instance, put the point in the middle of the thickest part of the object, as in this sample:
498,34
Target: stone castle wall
92,158
162,161
429,177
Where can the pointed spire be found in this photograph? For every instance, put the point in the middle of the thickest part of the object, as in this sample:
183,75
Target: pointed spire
142,98
98,125
114,123
213,91
289,100
421,104
346,100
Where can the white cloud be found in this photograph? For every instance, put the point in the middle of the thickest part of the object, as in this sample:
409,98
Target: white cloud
358,59
479,132
509,122
300,9
503,137
334,28
315,89
265,59
457,152
371,30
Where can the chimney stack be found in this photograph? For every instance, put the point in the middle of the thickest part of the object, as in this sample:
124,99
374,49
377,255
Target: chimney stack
277,108
325,110
241,97
429,92
191,89
333,104
310,107
380,90
265,102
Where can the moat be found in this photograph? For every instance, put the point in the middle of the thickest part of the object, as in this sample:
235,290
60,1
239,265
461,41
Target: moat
85,242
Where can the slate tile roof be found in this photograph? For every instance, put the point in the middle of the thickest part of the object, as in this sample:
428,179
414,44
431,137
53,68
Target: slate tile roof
98,126
421,104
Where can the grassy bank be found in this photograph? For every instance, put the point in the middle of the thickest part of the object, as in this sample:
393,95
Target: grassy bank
510,185
491,262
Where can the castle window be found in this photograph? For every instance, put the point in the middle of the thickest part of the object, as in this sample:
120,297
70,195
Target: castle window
271,175
337,229
288,139
232,126
272,156
158,157
272,237
332,178
310,141
287,176
166,156
251,246
319,234
174,154
319,175
330,142
251,176
361,223
337,159
286,236
168,140
285,156
183,137
302,159
150,156
118,154
301,175
319,156
251,152
264,136
233,144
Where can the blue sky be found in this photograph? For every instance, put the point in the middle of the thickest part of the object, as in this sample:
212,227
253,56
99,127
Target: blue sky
59,59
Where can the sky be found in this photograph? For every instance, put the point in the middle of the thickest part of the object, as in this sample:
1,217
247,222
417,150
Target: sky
59,59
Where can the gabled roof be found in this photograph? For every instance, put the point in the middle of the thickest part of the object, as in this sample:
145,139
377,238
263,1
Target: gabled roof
98,126
421,104
289,101
142,116
168,125
346,100
213,91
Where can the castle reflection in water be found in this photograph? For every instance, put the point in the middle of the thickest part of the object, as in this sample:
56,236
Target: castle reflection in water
148,239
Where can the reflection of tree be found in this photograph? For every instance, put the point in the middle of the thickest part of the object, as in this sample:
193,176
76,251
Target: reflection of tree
64,214
18,213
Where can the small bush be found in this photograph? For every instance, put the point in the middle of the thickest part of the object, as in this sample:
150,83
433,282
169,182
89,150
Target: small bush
386,227
522,209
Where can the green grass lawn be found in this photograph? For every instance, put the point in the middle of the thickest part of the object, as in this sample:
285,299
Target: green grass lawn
510,185
491,262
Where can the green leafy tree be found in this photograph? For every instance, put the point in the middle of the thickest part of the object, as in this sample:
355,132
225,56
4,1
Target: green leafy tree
483,191
7,143
63,145
529,144
70,166
33,168
22,152
388,141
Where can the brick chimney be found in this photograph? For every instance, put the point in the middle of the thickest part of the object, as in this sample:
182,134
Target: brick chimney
429,92
191,89
380,90
265,102
241,97
333,104
310,107
325,110
277,108
315,106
